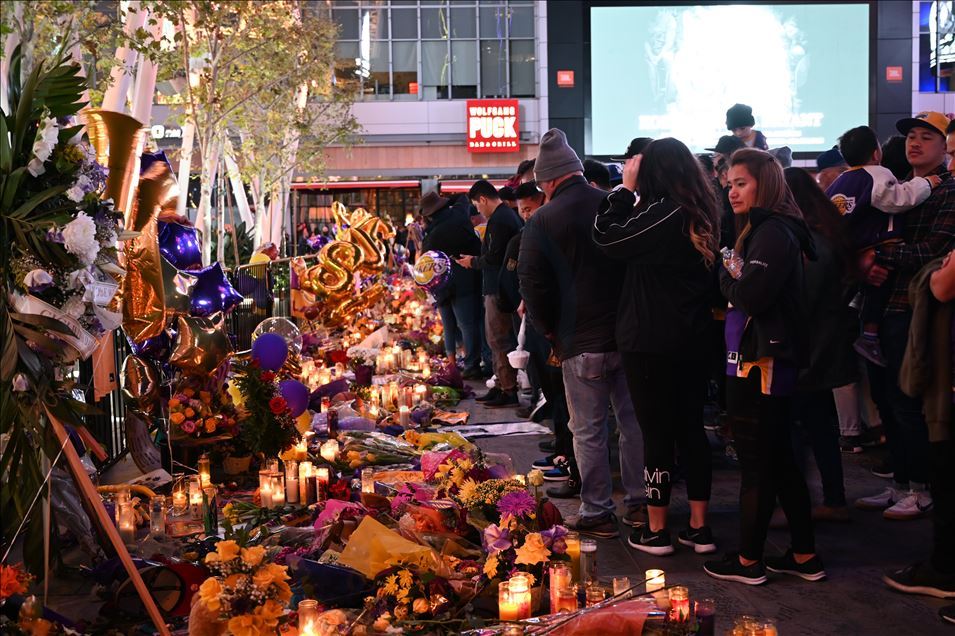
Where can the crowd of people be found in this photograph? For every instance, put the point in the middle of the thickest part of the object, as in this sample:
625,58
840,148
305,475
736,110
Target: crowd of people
813,302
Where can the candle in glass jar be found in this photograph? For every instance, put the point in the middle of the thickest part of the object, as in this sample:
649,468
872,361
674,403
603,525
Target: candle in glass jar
195,497
121,496
573,551
291,482
679,603
323,476
388,364
205,470
180,497
656,580
127,522
426,371
278,490
304,473
420,393
157,516
265,492
520,592
404,416
301,449
367,480
307,617
506,606
329,450
326,404
560,579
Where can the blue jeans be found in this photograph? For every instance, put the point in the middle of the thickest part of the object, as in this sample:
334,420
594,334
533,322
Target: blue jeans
452,334
592,382
468,311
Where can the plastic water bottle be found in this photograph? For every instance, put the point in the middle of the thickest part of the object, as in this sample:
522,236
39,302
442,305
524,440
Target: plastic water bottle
732,262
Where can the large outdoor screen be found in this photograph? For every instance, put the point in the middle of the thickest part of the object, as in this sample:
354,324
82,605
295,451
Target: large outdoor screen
674,70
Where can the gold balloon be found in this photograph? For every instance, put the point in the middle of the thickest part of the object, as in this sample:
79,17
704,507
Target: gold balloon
337,262
177,290
140,382
202,345
118,141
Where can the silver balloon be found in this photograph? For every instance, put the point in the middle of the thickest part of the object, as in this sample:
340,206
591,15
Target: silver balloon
281,327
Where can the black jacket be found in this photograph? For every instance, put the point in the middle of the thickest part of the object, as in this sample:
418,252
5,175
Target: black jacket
503,224
508,291
450,231
570,288
667,287
772,289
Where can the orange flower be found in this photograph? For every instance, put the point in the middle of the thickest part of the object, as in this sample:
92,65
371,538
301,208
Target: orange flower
12,581
246,625
205,396
174,403
177,418
209,593
210,425
190,412
189,392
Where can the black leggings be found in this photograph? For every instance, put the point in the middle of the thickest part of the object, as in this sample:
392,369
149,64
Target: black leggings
762,435
668,391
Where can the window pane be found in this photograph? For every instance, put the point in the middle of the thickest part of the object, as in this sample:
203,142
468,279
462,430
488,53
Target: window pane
522,68
346,70
463,69
493,71
374,70
404,24
434,70
374,24
347,20
492,22
405,69
522,22
462,23
434,24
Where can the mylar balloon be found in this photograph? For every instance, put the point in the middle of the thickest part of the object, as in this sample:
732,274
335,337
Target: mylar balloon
270,351
140,382
156,348
202,345
432,271
180,245
282,327
296,396
213,292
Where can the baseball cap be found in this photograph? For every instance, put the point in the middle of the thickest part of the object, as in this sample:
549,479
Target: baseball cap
727,145
636,147
927,119
830,159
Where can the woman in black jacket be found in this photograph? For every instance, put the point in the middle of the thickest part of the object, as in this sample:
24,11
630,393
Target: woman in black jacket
766,346
669,243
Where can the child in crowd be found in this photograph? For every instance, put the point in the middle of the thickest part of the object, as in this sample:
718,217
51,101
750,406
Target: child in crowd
872,200
740,121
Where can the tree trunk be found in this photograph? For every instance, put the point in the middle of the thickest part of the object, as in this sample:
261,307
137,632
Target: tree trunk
210,163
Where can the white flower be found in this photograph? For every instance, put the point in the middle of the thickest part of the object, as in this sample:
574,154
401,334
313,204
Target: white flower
37,278
46,138
79,237
79,189
74,307
20,383
35,167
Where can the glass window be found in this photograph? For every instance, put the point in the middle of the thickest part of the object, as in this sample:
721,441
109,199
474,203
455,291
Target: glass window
492,22
374,24
521,22
434,24
347,21
374,70
404,24
493,69
522,68
463,69
462,22
405,70
434,70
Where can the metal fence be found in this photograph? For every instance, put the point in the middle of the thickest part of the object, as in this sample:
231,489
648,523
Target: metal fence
107,426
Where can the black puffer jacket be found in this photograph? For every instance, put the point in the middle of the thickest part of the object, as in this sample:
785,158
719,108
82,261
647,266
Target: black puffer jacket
450,231
772,288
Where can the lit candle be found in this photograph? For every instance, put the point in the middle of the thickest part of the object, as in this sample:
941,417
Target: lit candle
291,482
278,490
426,370
404,416
304,472
506,606
367,480
373,412
157,516
265,493
307,617
195,497
326,404
560,579
420,393
520,592
521,479
680,603
656,580
180,497
329,450
301,448
389,362
405,358
573,551
323,476
205,470
127,522
121,496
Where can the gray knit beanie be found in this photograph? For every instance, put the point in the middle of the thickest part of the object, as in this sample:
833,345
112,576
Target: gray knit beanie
555,157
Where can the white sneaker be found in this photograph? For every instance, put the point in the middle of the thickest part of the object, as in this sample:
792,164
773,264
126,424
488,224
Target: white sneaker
881,501
914,505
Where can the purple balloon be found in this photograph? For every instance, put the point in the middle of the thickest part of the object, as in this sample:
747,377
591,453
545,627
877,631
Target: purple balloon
158,348
213,292
180,245
295,394
270,351
432,271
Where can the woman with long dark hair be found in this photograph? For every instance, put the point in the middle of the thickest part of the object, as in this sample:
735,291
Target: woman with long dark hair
669,242
766,345
832,361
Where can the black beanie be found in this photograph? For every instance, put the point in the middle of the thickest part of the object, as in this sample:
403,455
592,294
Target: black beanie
739,115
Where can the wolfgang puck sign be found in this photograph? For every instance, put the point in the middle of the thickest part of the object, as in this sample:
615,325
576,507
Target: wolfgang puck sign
493,125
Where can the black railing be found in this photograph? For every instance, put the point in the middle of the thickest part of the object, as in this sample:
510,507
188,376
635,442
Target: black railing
107,426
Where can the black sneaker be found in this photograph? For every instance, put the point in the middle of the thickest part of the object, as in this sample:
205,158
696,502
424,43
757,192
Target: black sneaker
883,470
811,570
850,444
700,539
873,437
503,401
730,569
921,578
601,527
567,490
544,464
490,395
547,446
637,516
646,540
947,614
560,471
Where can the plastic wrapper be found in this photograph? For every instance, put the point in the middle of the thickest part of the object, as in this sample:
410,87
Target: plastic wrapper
373,548
68,511
623,619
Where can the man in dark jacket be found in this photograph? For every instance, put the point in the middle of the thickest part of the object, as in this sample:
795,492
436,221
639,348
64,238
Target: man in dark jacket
571,292
502,224
449,230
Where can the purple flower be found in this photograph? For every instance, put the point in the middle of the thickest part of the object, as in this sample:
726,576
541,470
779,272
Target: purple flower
399,502
517,504
496,539
554,539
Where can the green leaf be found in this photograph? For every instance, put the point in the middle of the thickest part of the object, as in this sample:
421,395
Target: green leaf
6,151
31,203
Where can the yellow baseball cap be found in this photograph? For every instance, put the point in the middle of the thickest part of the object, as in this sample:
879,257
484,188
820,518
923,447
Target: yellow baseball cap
928,119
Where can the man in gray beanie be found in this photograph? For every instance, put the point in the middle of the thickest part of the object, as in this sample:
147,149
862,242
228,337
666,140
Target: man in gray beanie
571,291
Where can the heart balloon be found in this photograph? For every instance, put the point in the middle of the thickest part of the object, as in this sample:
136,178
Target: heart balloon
432,271
180,245
140,382
213,292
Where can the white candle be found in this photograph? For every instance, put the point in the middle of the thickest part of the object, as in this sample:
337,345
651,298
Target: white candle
304,472
291,482
265,494
329,450
404,416
656,580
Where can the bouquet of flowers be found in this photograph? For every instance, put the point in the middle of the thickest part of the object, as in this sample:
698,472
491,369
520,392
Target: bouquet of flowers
514,546
410,600
266,424
201,413
245,591
13,581
363,449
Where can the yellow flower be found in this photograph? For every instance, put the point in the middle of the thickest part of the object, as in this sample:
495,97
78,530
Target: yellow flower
391,585
209,593
227,511
533,551
370,458
246,625
382,623
535,478
490,566
406,578
270,574
401,612
253,556
225,551
466,489
270,612
420,606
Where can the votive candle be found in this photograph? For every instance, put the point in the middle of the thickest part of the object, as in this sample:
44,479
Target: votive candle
304,473
323,476
367,480
404,416
278,490
291,482
205,470
329,450
656,580
573,551
127,522
506,606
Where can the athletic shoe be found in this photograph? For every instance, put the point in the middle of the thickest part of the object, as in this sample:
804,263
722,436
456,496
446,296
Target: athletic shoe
921,578
947,614
546,463
700,539
874,437
655,543
914,505
547,446
601,527
881,501
883,470
540,411
567,490
730,569
560,471
850,444
490,395
811,570
834,514
503,401
870,349
636,516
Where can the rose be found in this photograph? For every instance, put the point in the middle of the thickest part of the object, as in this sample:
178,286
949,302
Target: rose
420,606
278,405
188,426
268,376
533,551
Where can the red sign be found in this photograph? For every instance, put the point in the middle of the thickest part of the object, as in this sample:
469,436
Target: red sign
893,73
565,79
493,125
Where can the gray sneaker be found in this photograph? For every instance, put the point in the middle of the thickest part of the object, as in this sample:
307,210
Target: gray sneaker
870,349
600,527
